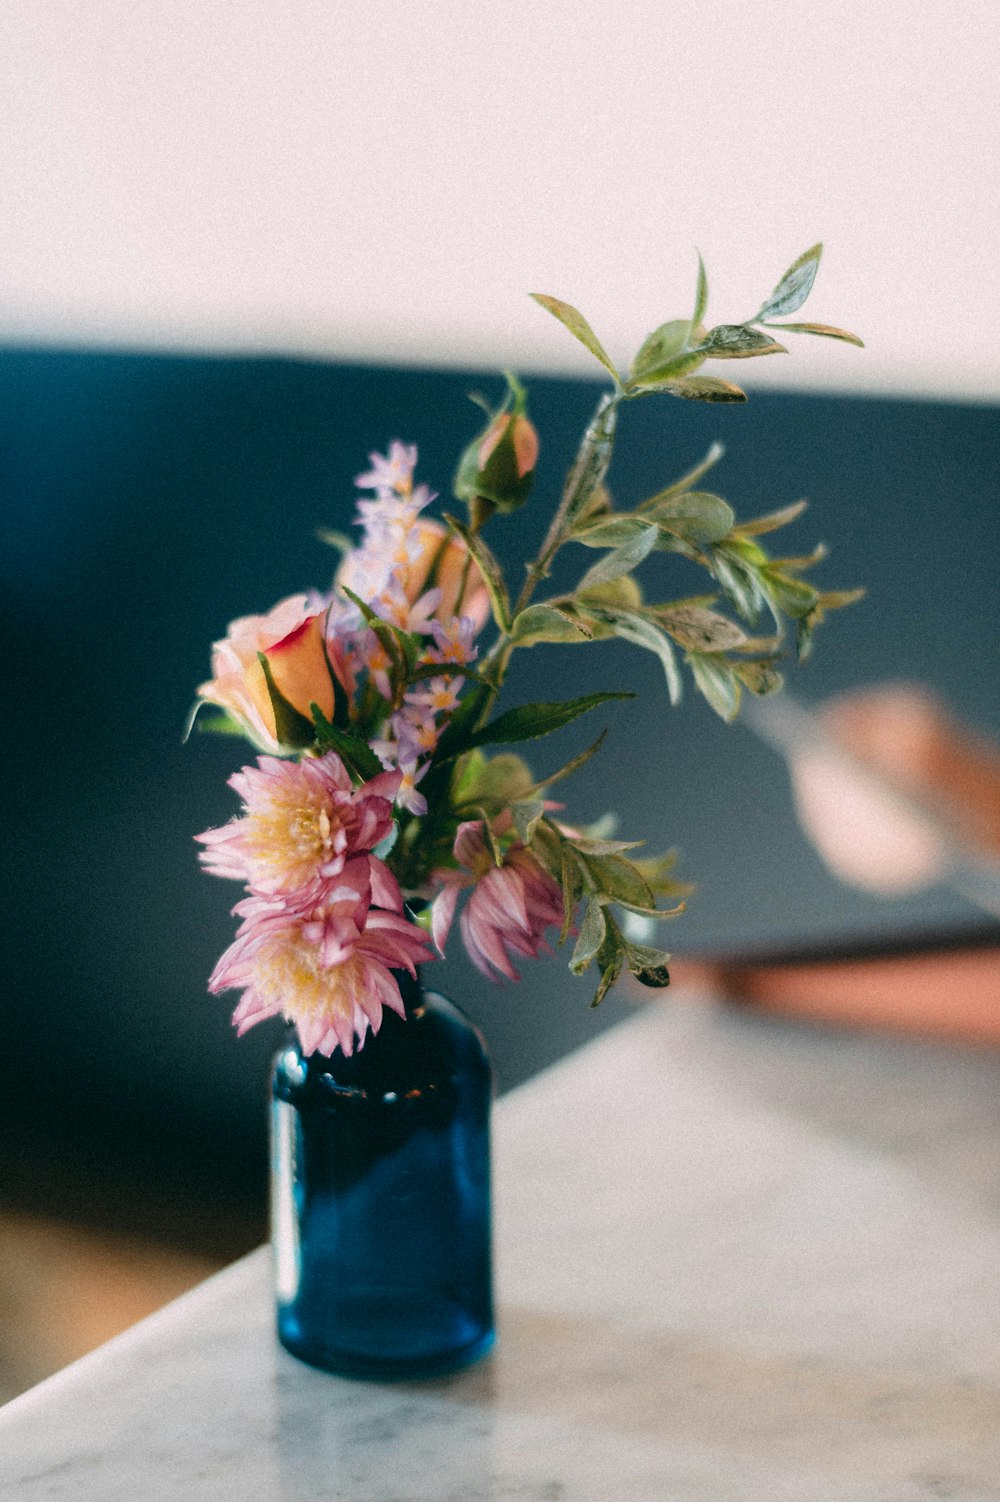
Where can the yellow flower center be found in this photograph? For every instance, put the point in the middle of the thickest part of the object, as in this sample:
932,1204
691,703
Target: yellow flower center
291,836
288,972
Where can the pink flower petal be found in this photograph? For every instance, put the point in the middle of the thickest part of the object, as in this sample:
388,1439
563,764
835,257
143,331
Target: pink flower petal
442,915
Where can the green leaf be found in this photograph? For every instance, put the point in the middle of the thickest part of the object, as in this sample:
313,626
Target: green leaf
738,579
746,550
772,521
609,531
338,540
659,873
573,319
794,287
622,561
701,295
547,623
622,593
699,389
807,622
696,516
341,700
463,485
466,775
593,931
526,815
388,636
760,677
690,480
586,474
384,847
610,971
574,765
601,829
804,627
641,632
489,838
824,329
616,878
588,846
290,727
702,602
791,595
836,599
802,560
547,843
665,352
569,880
489,568
735,341
355,753
717,682
649,966
218,721
495,782
761,646
658,912
701,630
530,721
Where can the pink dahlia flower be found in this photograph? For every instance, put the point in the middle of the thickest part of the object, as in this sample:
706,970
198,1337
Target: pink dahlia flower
508,910
325,966
303,821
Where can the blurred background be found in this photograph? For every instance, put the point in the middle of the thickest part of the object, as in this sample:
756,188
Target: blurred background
244,245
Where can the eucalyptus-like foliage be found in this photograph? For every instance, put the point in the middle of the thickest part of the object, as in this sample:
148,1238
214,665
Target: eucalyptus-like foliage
730,639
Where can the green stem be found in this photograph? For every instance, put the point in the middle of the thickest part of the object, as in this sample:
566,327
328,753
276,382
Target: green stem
589,468
587,472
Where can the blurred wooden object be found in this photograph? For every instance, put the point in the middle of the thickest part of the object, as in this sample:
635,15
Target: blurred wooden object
948,992
65,1290
905,734
896,796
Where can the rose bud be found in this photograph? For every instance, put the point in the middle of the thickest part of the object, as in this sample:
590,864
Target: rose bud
506,456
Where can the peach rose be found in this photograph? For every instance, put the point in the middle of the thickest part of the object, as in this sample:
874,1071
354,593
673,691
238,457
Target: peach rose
291,638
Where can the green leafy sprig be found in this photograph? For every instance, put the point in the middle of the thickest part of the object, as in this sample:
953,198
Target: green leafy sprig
725,653
668,357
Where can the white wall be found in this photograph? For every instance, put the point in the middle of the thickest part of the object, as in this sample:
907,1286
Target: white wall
388,179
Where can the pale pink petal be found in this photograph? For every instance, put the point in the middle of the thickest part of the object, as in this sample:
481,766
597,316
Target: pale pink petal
442,915
483,939
384,886
470,844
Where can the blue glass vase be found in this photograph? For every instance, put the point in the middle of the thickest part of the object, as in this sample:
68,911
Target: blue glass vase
380,1174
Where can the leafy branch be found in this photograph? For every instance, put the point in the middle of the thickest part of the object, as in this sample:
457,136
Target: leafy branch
597,874
668,358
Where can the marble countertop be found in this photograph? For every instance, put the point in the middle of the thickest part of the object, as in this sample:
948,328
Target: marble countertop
737,1260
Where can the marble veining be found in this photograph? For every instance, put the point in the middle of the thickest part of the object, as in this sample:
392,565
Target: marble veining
712,1289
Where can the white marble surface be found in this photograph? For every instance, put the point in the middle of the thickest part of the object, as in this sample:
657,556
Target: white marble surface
737,1260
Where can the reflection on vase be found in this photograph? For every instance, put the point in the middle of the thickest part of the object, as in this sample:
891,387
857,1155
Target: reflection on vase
381,1225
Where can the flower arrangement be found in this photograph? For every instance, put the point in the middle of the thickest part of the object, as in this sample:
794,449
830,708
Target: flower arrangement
375,813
